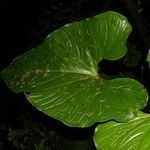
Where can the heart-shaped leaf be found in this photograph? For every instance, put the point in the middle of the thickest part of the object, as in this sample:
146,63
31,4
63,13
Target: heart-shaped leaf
60,77
133,135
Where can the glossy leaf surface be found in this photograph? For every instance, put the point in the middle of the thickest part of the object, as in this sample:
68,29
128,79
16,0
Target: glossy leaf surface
133,135
60,77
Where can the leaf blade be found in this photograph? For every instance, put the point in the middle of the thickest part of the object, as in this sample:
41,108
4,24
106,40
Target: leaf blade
62,78
132,135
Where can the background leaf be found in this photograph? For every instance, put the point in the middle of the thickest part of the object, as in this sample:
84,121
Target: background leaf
61,76
148,56
133,135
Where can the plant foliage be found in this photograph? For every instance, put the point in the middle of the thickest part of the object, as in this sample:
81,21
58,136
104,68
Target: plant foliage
61,76
148,56
133,135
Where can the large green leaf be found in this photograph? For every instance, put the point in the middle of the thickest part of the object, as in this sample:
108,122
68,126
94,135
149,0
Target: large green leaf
60,77
133,135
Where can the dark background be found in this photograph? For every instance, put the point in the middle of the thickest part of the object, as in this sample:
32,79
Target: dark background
23,25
